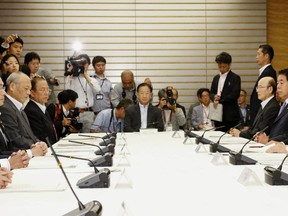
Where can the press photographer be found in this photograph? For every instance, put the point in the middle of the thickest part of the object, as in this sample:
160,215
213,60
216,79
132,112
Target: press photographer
87,87
172,116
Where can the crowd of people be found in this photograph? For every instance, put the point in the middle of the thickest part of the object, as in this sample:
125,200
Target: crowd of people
31,116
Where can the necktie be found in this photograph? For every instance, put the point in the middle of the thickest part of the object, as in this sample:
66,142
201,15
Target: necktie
49,119
282,108
3,137
119,127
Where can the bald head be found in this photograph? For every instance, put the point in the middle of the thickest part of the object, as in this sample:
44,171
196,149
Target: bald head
127,78
266,88
18,86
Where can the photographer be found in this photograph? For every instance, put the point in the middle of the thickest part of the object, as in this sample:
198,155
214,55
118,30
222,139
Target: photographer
87,87
64,119
172,116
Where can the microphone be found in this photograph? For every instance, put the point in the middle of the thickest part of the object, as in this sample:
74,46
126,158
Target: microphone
217,147
206,141
109,135
93,208
105,142
276,176
237,158
109,148
99,179
104,160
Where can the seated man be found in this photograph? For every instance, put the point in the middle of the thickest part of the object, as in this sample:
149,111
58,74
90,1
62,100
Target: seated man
15,121
126,89
111,120
39,119
173,117
200,115
244,110
143,114
268,111
279,127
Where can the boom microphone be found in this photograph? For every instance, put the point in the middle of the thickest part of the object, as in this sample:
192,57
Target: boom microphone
276,176
217,147
99,179
93,208
237,158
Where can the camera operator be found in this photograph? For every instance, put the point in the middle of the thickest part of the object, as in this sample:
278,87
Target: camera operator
172,116
64,114
87,87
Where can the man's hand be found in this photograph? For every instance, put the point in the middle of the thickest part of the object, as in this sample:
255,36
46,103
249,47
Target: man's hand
19,159
234,132
262,138
278,147
5,177
39,149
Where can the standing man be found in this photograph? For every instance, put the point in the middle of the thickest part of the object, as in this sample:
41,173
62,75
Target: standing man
103,98
265,54
86,87
143,114
225,89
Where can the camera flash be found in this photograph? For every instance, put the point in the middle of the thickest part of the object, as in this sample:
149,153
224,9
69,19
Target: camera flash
77,46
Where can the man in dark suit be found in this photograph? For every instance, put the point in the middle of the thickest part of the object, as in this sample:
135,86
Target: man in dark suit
39,119
14,119
9,159
244,110
264,58
279,128
267,113
143,114
225,89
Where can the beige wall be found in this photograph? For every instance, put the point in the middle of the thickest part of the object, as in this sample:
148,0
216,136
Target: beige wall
277,31
174,42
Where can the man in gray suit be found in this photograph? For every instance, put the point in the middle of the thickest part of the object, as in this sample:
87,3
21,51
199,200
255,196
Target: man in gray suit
200,115
14,119
268,111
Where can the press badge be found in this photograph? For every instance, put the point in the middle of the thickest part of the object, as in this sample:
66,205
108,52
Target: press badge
99,96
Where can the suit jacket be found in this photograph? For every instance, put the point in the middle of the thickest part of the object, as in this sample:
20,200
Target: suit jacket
17,127
229,96
263,118
4,151
254,101
51,109
246,120
132,121
280,125
197,116
40,123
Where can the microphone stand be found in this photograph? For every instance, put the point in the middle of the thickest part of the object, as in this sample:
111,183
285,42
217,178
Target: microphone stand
93,208
276,176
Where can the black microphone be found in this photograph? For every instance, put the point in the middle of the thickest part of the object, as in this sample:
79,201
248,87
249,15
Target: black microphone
99,179
93,208
237,158
275,176
104,160
204,140
109,148
105,142
217,147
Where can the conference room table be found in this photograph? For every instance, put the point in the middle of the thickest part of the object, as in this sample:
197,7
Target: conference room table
153,173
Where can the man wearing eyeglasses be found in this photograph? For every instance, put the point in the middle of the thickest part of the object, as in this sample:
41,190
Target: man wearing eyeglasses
268,111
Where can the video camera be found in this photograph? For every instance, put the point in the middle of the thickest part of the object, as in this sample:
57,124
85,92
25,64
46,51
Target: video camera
77,66
170,98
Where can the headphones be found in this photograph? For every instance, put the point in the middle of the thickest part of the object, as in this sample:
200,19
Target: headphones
134,97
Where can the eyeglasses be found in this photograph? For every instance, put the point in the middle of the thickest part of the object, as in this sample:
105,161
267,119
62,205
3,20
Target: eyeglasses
259,87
